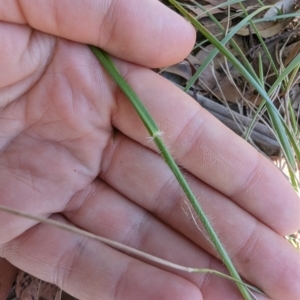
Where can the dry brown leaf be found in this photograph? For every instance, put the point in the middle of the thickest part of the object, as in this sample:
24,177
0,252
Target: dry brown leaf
246,3
241,43
207,80
182,69
213,28
198,12
254,99
219,59
203,53
29,287
269,29
187,68
266,29
227,91
291,51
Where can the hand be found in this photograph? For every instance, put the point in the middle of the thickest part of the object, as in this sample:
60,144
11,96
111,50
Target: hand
73,149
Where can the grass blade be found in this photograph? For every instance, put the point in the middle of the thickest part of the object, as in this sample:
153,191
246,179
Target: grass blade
253,79
154,132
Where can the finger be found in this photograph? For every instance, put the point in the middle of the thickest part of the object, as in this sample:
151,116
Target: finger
209,150
255,249
87,269
144,32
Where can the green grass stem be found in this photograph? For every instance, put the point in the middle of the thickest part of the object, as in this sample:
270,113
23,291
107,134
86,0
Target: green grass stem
262,43
154,132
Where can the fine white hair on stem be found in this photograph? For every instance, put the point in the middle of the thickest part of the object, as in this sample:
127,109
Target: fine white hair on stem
190,213
154,136
157,133
152,129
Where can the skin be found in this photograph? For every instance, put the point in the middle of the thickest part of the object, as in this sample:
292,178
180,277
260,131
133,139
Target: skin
60,159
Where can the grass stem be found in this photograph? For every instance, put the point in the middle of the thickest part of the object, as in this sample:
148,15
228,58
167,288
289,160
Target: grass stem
153,130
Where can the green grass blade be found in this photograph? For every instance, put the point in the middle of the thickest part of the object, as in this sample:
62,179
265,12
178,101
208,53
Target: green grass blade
292,65
250,70
263,44
207,35
254,80
260,70
277,17
275,85
154,133
231,41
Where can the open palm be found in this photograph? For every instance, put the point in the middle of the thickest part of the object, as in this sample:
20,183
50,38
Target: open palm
73,149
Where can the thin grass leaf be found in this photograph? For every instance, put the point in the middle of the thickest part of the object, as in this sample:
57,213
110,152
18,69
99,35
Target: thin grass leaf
278,17
206,34
260,69
231,41
154,132
294,64
275,117
263,44
293,76
293,118
281,136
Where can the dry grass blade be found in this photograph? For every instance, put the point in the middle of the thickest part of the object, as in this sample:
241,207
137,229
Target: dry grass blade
25,279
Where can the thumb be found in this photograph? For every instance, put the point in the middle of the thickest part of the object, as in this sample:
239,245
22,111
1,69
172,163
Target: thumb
143,32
